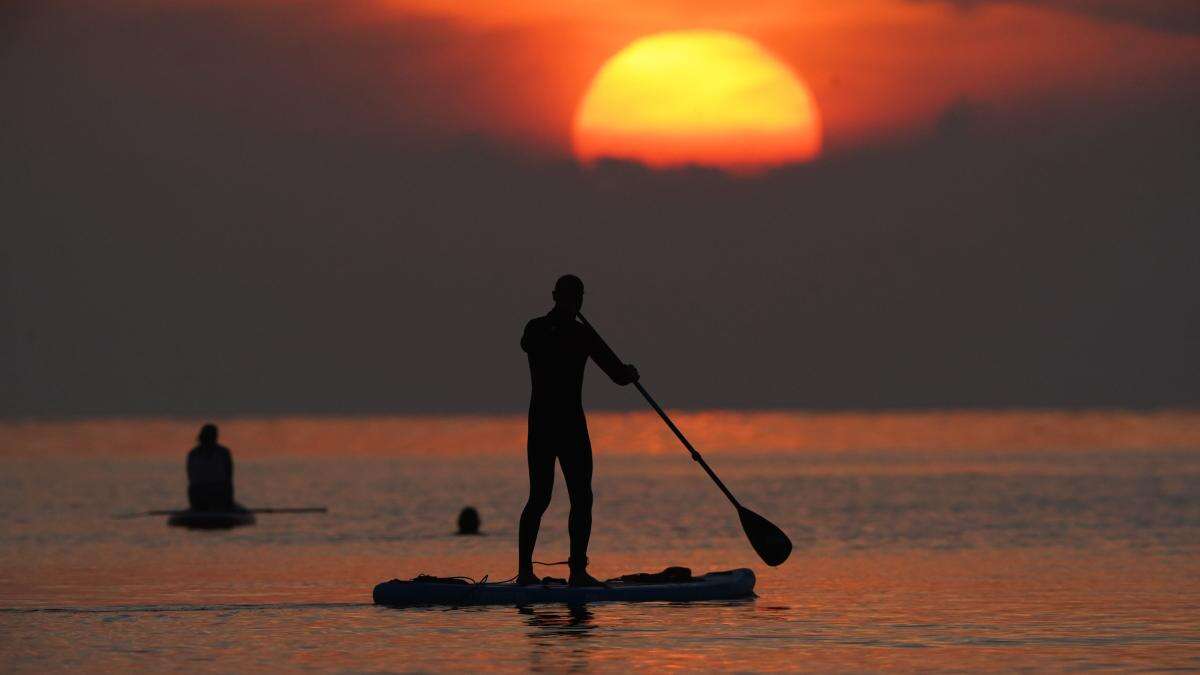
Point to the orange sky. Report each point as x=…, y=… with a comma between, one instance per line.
x=878, y=68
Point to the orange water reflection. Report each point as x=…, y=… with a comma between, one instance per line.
x=911, y=610
x=1070, y=543
x=1020, y=431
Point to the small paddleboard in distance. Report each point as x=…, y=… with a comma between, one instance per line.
x=210, y=520
x=729, y=585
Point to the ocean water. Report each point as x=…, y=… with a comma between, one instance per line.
x=924, y=541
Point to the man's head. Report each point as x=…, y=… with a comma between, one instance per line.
x=568, y=294
x=208, y=434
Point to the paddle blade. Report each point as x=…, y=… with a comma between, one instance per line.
x=769, y=542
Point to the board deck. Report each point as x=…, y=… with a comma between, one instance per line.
x=732, y=584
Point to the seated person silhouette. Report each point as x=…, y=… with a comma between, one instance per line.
x=210, y=474
x=558, y=346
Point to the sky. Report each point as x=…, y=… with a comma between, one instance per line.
x=220, y=207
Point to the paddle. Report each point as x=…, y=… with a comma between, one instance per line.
x=175, y=512
x=769, y=542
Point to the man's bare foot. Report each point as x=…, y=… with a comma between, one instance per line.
x=581, y=579
x=528, y=579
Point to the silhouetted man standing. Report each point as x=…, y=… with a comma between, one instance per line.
x=210, y=474
x=558, y=346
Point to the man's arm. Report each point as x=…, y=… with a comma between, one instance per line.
x=533, y=338
x=621, y=373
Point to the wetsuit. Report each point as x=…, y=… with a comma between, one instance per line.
x=558, y=347
x=210, y=478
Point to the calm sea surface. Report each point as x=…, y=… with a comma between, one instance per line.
x=924, y=541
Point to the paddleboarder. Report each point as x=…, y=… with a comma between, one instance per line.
x=210, y=474
x=558, y=347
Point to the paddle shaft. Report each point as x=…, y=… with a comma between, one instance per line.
x=665, y=418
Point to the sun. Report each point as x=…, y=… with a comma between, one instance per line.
x=701, y=97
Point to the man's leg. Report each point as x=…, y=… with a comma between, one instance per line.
x=577, y=470
x=541, y=487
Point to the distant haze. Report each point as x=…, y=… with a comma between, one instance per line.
x=195, y=224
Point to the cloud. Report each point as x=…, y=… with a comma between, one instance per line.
x=345, y=275
x=1168, y=16
x=959, y=118
x=320, y=66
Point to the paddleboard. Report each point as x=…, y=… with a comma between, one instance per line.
x=210, y=520
x=733, y=584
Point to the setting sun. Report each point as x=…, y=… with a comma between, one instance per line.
x=697, y=97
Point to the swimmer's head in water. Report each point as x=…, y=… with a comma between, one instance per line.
x=568, y=293
x=208, y=434
x=468, y=521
